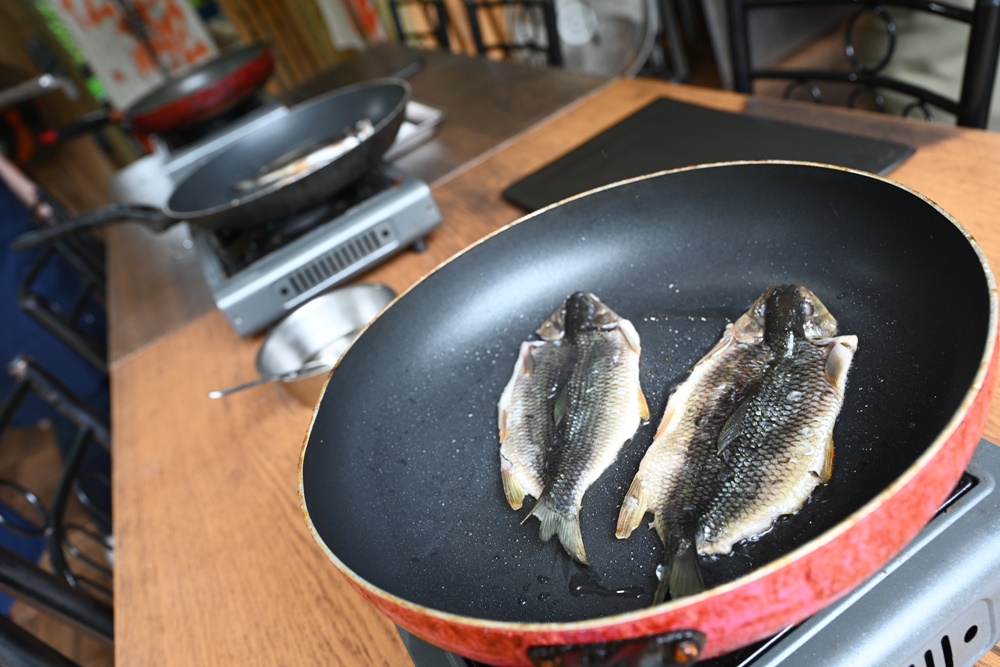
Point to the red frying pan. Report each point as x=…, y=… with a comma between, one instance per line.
x=203, y=92
x=400, y=479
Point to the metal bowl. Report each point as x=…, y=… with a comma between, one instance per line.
x=317, y=334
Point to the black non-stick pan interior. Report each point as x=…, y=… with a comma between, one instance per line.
x=401, y=473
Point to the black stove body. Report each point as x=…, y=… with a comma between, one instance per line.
x=259, y=276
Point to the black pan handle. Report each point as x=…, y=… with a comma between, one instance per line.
x=150, y=216
x=86, y=124
x=677, y=647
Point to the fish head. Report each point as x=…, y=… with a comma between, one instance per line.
x=793, y=310
x=585, y=312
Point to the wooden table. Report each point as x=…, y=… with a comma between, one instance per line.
x=213, y=561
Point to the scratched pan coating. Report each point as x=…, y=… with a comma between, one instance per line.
x=400, y=475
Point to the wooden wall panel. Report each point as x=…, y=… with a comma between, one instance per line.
x=303, y=47
x=295, y=30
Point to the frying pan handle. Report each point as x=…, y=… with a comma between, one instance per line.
x=150, y=216
x=677, y=647
x=88, y=123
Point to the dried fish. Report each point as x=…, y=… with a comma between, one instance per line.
x=572, y=403
x=746, y=438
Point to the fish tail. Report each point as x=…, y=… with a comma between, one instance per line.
x=681, y=574
x=566, y=527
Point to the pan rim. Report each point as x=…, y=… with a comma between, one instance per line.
x=256, y=195
x=638, y=616
x=250, y=53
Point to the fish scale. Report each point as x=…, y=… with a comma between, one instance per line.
x=570, y=406
x=733, y=452
x=526, y=418
x=782, y=453
x=681, y=480
x=581, y=455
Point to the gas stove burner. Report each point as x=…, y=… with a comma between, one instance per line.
x=257, y=276
x=934, y=605
x=238, y=249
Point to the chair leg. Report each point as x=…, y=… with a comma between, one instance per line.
x=981, y=66
x=552, y=33
x=61, y=324
x=472, y=11
x=23, y=580
x=27, y=371
x=739, y=45
x=20, y=648
x=681, y=71
x=442, y=25
x=57, y=532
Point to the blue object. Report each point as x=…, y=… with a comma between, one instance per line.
x=29, y=547
x=20, y=334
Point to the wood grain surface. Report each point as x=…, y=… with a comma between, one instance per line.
x=991, y=659
x=214, y=563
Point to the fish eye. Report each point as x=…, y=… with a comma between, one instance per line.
x=807, y=308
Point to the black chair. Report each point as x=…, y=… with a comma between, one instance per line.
x=79, y=323
x=68, y=322
x=434, y=38
x=971, y=109
x=77, y=591
x=69, y=543
x=544, y=15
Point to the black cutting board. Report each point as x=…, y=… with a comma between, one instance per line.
x=667, y=134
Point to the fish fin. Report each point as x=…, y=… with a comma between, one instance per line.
x=724, y=342
x=749, y=328
x=554, y=327
x=528, y=359
x=511, y=487
x=523, y=366
x=685, y=575
x=733, y=427
x=643, y=406
x=662, y=591
x=681, y=573
x=838, y=361
x=631, y=336
x=664, y=422
x=503, y=425
x=827, y=472
x=567, y=528
x=633, y=509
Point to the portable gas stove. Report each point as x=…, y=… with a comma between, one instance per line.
x=258, y=276
x=934, y=605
